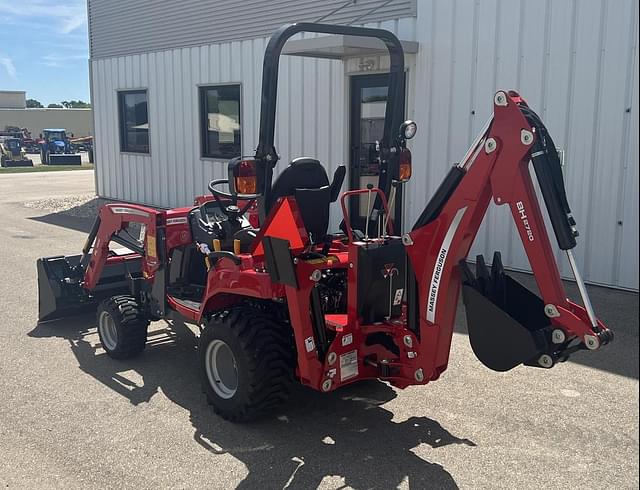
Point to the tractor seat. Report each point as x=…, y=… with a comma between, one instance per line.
x=306, y=180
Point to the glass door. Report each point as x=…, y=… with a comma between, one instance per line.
x=368, y=105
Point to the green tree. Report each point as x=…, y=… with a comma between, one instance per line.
x=54, y=106
x=75, y=104
x=33, y=103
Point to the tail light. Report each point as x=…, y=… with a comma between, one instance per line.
x=246, y=177
x=405, y=165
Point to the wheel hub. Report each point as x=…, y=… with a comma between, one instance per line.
x=221, y=369
x=108, y=331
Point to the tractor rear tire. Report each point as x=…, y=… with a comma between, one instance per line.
x=247, y=360
x=122, y=327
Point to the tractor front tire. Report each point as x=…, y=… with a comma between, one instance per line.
x=122, y=327
x=247, y=361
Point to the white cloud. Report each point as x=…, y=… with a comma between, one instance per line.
x=64, y=16
x=7, y=64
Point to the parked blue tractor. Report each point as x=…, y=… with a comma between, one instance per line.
x=55, y=148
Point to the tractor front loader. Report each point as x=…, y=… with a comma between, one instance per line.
x=12, y=154
x=280, y=299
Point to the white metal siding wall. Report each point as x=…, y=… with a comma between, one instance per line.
x=576, y=63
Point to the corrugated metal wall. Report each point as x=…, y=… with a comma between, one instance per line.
x=576, y=62
x=119, y=27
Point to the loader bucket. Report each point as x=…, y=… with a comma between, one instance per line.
x=59, y=290
x=17, y=163
x=64, y=159
x=60, y=293
x=506, y=322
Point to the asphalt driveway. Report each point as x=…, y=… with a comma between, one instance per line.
x=71, y=417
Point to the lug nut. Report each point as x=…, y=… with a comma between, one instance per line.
x=331, y=358
x=526, y=137
x=546, y=361
x=591, y=342
x=558, y=336
x=490, y=145
x=500, y=99
x=551, y=311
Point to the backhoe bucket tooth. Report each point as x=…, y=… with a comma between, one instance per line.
x=467, y=275
x=483, y=276
x=507, y=326
x=497, y=280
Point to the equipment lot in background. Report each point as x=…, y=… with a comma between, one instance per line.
x=38, y=167
x=72, y=417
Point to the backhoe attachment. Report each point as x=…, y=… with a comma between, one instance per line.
x=508, y=324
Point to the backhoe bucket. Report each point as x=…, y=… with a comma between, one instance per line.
x=64, y=159
x=506, y=322
x=60, y=293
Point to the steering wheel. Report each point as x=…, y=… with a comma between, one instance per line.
x=232, y=211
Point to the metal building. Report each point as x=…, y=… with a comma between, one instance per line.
x=175, y=91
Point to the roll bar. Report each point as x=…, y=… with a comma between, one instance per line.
x=265, y=151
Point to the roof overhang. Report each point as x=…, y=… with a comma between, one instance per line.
x=338, y=47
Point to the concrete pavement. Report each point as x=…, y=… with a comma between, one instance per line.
x=71, y=417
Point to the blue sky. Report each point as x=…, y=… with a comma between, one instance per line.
x=44, y=49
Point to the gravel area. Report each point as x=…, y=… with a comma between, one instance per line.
x=79, y=206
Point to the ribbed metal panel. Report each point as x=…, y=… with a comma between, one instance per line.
x=576, y=62
x=119, y=27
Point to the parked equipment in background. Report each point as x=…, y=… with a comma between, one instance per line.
x=84, y=143
x=279, y=298
x=55, y=148
x=12, y=154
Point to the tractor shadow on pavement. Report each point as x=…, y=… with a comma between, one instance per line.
x=347, y=436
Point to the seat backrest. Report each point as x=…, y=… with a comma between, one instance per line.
x=302, y=173
x=307, y=181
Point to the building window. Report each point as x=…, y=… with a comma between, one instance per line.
x=134, y=121
x=220, y=121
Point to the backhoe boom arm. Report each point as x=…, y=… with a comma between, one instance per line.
x=508, y=325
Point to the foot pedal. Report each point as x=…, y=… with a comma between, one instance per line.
x=506, y=322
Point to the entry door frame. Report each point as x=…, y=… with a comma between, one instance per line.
x=356, y=84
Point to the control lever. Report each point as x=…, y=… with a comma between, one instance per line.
x=366, y=226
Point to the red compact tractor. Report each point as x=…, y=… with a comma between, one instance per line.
x=279, y=298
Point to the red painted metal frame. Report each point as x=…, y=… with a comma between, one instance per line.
x=113, y=218
x=502, y=174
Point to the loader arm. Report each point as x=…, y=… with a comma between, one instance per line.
x=111, y=219
x=508, y=325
